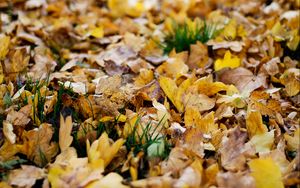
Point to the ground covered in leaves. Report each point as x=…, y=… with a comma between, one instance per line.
x=149, y=93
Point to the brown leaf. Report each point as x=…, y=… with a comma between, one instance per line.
x=235, y=180
x=234, y=158
x=37, y=145
x=243, y=79
x=198, y=56
x=26, y=176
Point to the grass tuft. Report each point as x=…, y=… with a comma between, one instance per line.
x=149, y=137
x=184, y=35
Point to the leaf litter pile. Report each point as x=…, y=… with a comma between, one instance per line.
x=149, y=93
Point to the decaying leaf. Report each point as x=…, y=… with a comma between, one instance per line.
x=26, y=176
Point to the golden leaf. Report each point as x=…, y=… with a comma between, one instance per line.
x=175, y=65
x=4, y=44
x=170, y=88
x=266, y=173
x=122, y=7
x=227, y=61
x=101, y=149
x=254, y=123
x=230, y=30
x=37, y=145
x=65, y=129
x=208, y=87
x=97, y=32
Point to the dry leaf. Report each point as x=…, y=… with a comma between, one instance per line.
x=26, y=176
x=243, y=79
x=254, y=123
x=65, y=129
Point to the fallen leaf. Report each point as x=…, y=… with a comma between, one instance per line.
x=227, y=61
x=198, y=57
x=65, y=129
x=4, y=44
x=254, y=124
x=266, y=173
x=37, y=145
x=234, y=158
x=111, y=180
x=293, y=141
x=235, y=180
x=243, y=79
x=8, y=132
x=97, y=32
x=26, y=176
x=290, y=79
x=175, y=65
x=101, y=149
x=263, y=142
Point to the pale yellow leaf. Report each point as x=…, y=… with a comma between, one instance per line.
x=65, y=129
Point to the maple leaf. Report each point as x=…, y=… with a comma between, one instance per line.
x=227, y=61
x=65, y=129
x=266, y=173
x=37, y=145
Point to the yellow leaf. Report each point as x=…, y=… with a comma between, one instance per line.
x=278, y=32
x=263, y=142
x=145, y=77
x=254, y=123
x=97, y=32
x=101, y=149
x=122, y=7
x=266, y=173
x=207, y=123
x=191, y=116
x=4, y=44
x=170, y=88
x=111, y=180
x=175, y=65
x=65, y=129
x=180, y=94
x=230, y=30
x=210, y=88
x=227, y=61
